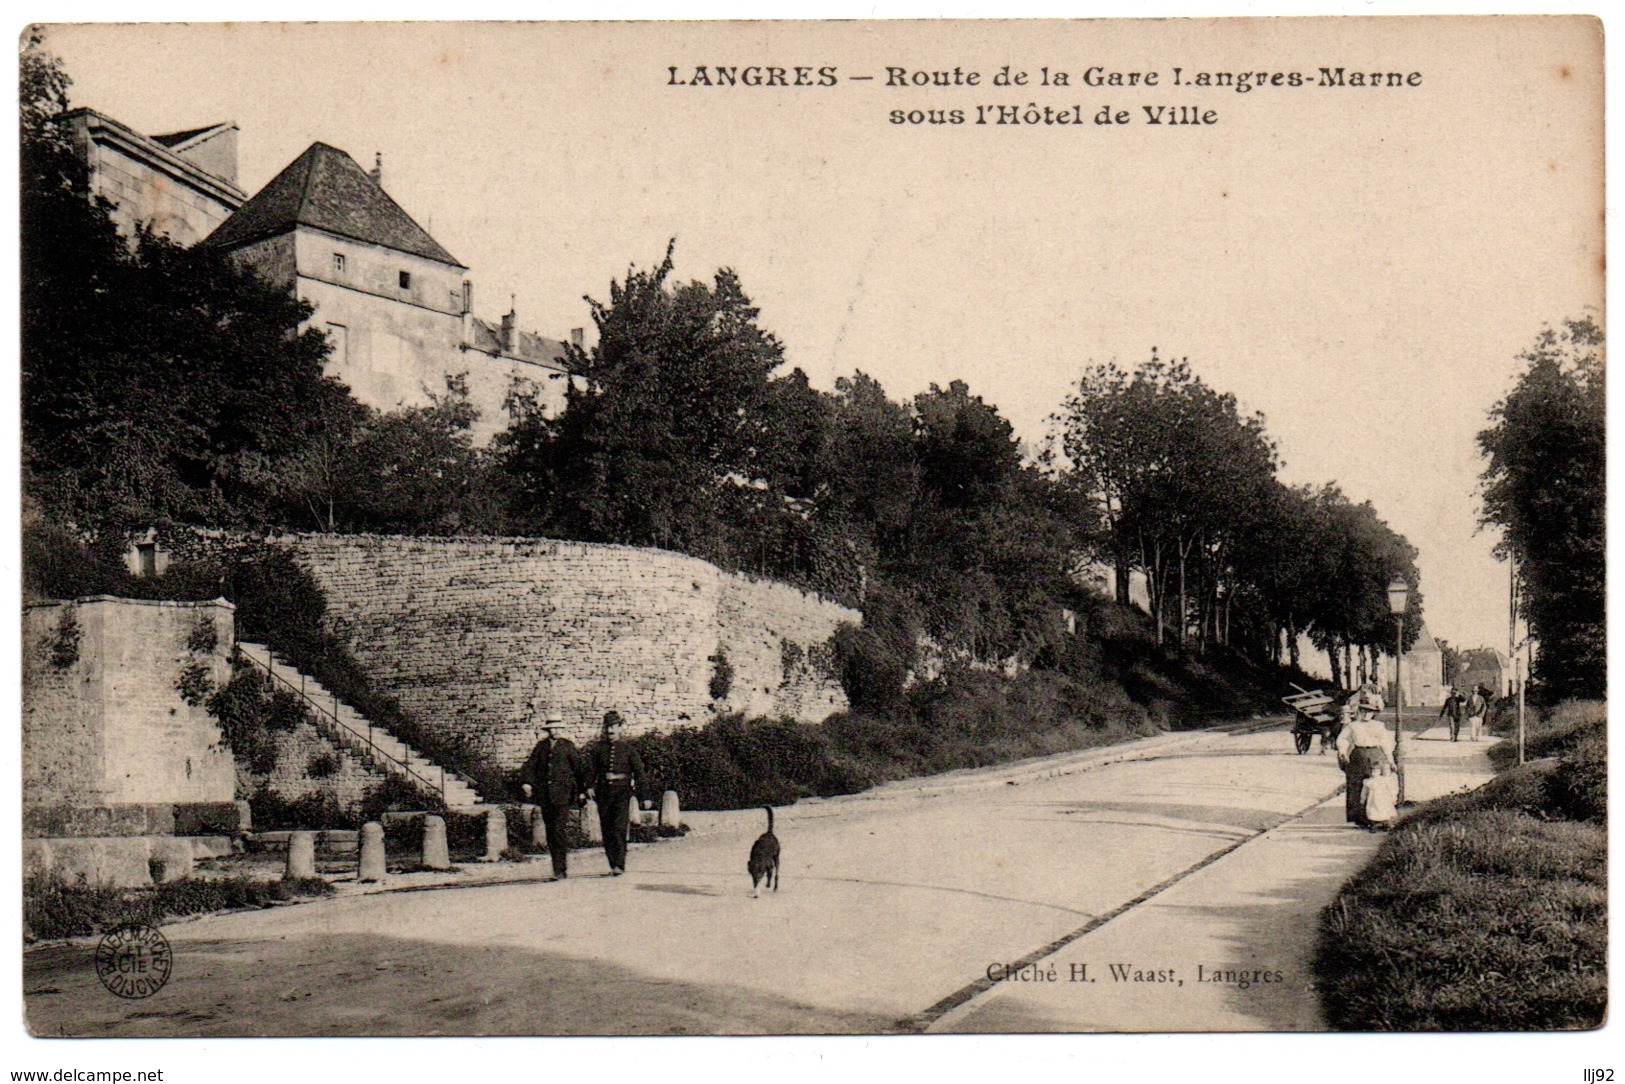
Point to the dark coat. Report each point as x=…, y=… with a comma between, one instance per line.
x=555, y=773
x=619, y=758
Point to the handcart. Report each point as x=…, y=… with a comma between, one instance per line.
x=1314, y=715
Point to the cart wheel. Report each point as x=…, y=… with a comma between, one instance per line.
x=1301, y=740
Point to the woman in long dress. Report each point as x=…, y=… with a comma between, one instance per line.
x=1362, y=748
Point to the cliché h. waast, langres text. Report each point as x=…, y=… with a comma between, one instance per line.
x=1132, y=974
x=1163, y=114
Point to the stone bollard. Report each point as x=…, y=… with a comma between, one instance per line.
x=538, y=827
x=671, y=813
x=590, y=826
x=372, y=852
x=436, y=855
x=634, y=815
x=496, y=834
x=301, y=855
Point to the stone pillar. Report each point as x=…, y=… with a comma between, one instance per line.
x=372, y=852
x=538, y=826
x=671, y=814
x=496, y=834
x=436, y=855
x=589, y=823
x=634, y=815
x=301, y=855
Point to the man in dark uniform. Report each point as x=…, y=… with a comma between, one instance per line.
x=554, y=779
x=1455, y=709
x=617, y=775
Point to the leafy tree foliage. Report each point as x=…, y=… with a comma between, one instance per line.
x=668, y=415
x=1173, y=464
x=1186, y=488
x=1543, y=486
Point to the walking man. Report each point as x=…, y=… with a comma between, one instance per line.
x=1477, y=705
x=1454, y=710
x=617, y=775
x=554, y=779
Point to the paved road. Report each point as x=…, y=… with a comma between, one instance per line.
x=893, y=907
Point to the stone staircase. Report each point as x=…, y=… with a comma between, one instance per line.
x=342, y=724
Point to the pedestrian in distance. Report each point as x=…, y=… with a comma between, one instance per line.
x=554, y=778
x=1454, y=710
x=618, y=775
x=1362, y=750
x=1477, y=704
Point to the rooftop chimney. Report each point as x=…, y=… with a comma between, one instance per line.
x=510, y=328
x=578, y=337
x=378, y=168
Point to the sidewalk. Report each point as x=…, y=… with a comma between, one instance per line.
x=1227, y=948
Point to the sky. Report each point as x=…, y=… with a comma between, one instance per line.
x=1362, y=266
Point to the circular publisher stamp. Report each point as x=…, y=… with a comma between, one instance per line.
x=133, y=961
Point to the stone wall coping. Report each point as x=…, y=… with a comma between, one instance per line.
x=485, y=542
x=188, y=604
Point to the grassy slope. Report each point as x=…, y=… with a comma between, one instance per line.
x=1486, y=911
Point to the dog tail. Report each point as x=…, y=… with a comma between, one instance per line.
x=769, y=817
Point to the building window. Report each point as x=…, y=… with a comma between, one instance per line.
x=147, y=556
x=406, y=280
x=338, y=263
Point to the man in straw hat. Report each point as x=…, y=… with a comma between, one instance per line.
x=554, y=779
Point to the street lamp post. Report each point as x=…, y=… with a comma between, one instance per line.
x=1398, y=594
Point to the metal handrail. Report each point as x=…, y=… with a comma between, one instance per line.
x=345, y=735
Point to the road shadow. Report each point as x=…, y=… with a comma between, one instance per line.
x=361, y=985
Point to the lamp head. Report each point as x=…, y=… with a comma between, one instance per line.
x=1399, y=592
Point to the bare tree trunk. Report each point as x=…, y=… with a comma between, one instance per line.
x=1184, y=614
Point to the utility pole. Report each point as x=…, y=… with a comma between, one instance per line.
x=1519, y=674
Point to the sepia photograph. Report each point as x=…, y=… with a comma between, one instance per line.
x=878, y=528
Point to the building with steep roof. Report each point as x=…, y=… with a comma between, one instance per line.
x=396, y=305
x=1486, y=666
x=182, y=185
x=1422, y=676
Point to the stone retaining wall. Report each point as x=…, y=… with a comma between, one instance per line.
x=350, y=781
x=104, y=719
x=480, y=636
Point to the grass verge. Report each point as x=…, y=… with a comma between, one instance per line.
x=1485, y=911
x=54, y=909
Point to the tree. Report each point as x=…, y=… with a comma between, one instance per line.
x=1172, y=465
x=416, y=471
x=668, y=415
x=1544, y=486
x=157, y=383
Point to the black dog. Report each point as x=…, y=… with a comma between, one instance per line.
x=764, y=858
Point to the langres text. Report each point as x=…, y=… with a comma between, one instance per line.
x=751, y=75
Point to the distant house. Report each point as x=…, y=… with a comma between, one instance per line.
x=1486, y=666
x=182, y=184
x=1422, y=676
